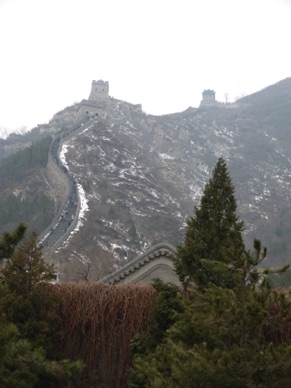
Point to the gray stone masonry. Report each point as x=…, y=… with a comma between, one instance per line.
x=99, y=91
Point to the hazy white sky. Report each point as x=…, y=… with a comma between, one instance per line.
x=160, y=53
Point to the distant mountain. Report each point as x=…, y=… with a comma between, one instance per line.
x=119, y=181
x=5, y=132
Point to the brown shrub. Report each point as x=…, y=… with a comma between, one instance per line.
x=99, y=322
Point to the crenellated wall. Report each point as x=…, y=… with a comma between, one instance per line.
x=59, y=185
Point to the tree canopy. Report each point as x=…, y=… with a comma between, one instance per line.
x=30, y=329
x=10, y=240
x=221, y=338
x=26, y=268
x=213, y=245
x=226, y=327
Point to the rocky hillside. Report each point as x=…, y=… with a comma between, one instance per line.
x=136, y=177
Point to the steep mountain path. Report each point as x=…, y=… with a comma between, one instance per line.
x=66, y=193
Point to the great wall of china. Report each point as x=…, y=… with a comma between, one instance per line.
x=59, y=179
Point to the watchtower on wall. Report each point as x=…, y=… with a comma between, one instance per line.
x=99, y=91
x=208, y=99
x=97, y=102
x=208, y=95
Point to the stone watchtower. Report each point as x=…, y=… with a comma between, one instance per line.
x=97, y=102
x=208, y=95
x=99, y=91
x=208, y=98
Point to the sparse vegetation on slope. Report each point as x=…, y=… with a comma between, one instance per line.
x=23, y=195
x=19, y=166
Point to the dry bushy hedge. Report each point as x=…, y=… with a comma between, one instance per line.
x=98, y=322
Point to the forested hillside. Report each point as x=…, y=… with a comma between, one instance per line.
x=23, y=196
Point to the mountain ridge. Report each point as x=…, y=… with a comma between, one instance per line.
x=141, y=175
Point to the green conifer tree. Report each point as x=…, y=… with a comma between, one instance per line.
x=10, y=240
x=27, y=366
x=222, y=338
x=26, y=268
x=213, y=240
x=30, y=328
x=230, y=331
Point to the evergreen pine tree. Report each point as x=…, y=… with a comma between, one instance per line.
x=27, y=366
x=231, y=331
x=30, y=328
x=222, y=338
x=10, y=240
x=213, y=240
x=26, y=268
